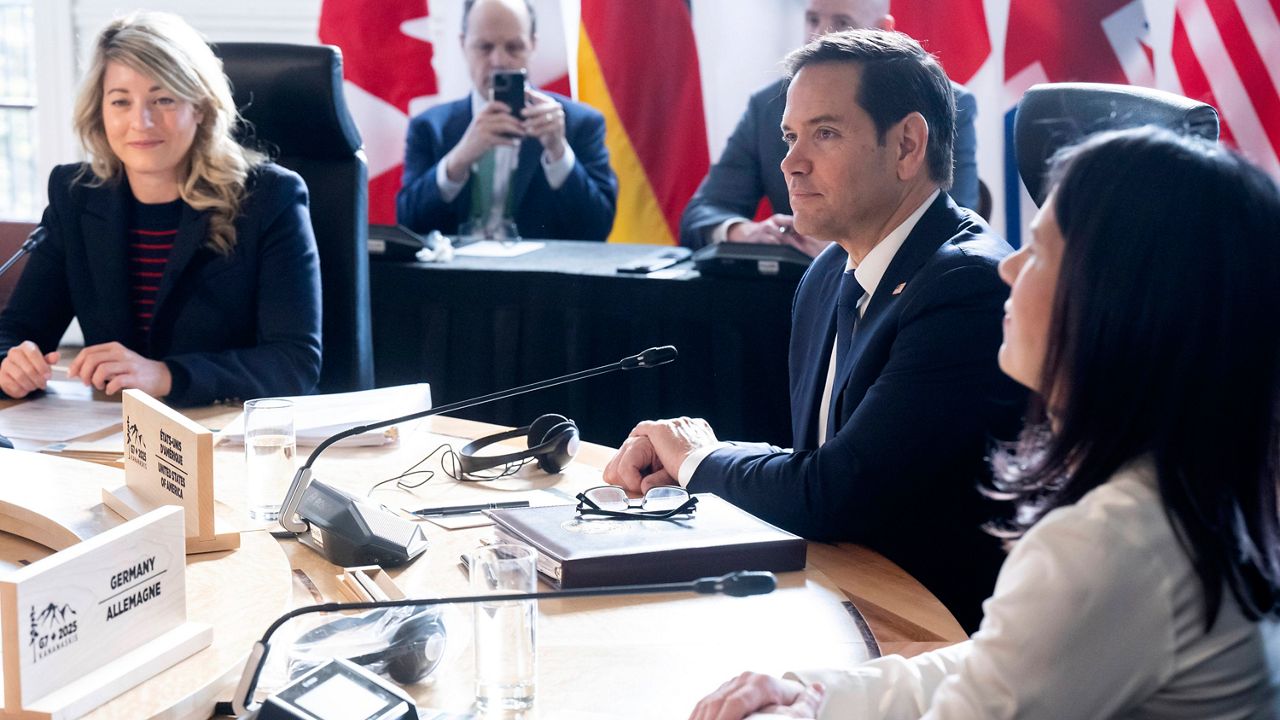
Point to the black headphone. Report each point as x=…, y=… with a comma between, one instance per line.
x=553, y=441
x=415, y=648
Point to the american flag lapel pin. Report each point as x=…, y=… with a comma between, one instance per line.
x=898, y=290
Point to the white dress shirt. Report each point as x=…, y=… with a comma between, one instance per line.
x=868, y=274
x=1097, y=613
x=505, y=159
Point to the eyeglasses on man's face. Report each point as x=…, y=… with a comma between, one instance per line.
x=659, y=503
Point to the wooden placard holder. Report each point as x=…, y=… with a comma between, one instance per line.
x=168, y=461
x=87, y=623
x=368, y=583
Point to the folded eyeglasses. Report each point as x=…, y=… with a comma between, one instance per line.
x=659, y=503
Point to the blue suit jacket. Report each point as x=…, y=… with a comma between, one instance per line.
x=580, y=209
x=239, y=326
x=917, y=411
x=749, y=167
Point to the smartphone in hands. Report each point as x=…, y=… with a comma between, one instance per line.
x=508, y=88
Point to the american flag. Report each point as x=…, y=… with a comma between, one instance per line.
x=1227, y=53
x=1222, y=52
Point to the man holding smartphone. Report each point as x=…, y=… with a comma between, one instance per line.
x=481, y=159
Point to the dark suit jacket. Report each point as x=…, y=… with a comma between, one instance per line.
x=580, y=209
x=749, y=167
x=918, y=409
x=240, y=326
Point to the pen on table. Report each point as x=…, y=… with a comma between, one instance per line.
x=468, y=509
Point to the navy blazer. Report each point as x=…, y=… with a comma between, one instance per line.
x=748, y=169
x=580, y=209
x=239, y=326
x=918, y=409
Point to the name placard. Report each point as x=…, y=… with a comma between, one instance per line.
x=168, y=460
x=87, y=623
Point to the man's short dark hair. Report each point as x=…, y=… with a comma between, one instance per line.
x=528, y=4
x=898, y=78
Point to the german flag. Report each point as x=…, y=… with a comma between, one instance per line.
x=638, y=64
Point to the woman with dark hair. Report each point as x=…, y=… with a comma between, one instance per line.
x=188, y=259
x=1145, y=576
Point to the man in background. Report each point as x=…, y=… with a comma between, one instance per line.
x=472, y=159
x=724, y=204
x=895, y=390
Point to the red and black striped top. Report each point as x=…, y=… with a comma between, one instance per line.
x=152, y=229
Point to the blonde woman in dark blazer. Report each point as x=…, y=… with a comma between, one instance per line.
x=188, y=259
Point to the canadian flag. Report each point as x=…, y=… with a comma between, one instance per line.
x=387, y=64
x=954, y=31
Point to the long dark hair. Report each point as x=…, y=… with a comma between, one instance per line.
x=1165, y=344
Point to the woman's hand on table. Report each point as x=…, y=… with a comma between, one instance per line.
x=751, y=693
x=25, y=369
x=112, y=367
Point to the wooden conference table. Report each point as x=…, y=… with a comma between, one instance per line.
x=640, y=657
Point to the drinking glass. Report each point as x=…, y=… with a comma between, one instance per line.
x=269, y=447
x=506, y=630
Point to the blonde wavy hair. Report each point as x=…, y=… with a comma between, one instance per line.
x=164, y=47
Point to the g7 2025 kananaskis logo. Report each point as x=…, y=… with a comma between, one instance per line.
x=135, y=446
x=52, y=628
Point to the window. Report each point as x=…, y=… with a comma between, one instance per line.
x=18, y=182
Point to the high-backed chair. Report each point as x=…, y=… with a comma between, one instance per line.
x=1054, y=115
x=292, y=98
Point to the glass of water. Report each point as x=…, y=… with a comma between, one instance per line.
x=269, y=447
x=506, y=630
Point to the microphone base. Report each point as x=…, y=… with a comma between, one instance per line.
x=350, y=532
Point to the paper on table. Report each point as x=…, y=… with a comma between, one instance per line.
x=67, y=410
x=316, y=417
x=493, y=248
x=107, y=450
x=536, y=498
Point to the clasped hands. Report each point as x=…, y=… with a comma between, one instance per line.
x=652, y=454
x=109, y=367
x=494, y=125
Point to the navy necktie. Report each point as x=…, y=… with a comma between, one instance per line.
x=846, y=320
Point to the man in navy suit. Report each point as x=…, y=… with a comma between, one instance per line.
x=549, y=168
x=747, y=170
x=895, y=391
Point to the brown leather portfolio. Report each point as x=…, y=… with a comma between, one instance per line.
x=718, y=538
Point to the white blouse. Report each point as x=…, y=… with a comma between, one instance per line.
x=1097, y=613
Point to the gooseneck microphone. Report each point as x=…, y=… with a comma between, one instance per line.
x=738, y=584
x=36, y=237
x=349, y=531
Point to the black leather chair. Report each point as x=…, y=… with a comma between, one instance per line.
x=1054, y=115
x=292, y=98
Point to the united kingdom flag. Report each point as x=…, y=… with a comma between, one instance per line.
x=1103, y=41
